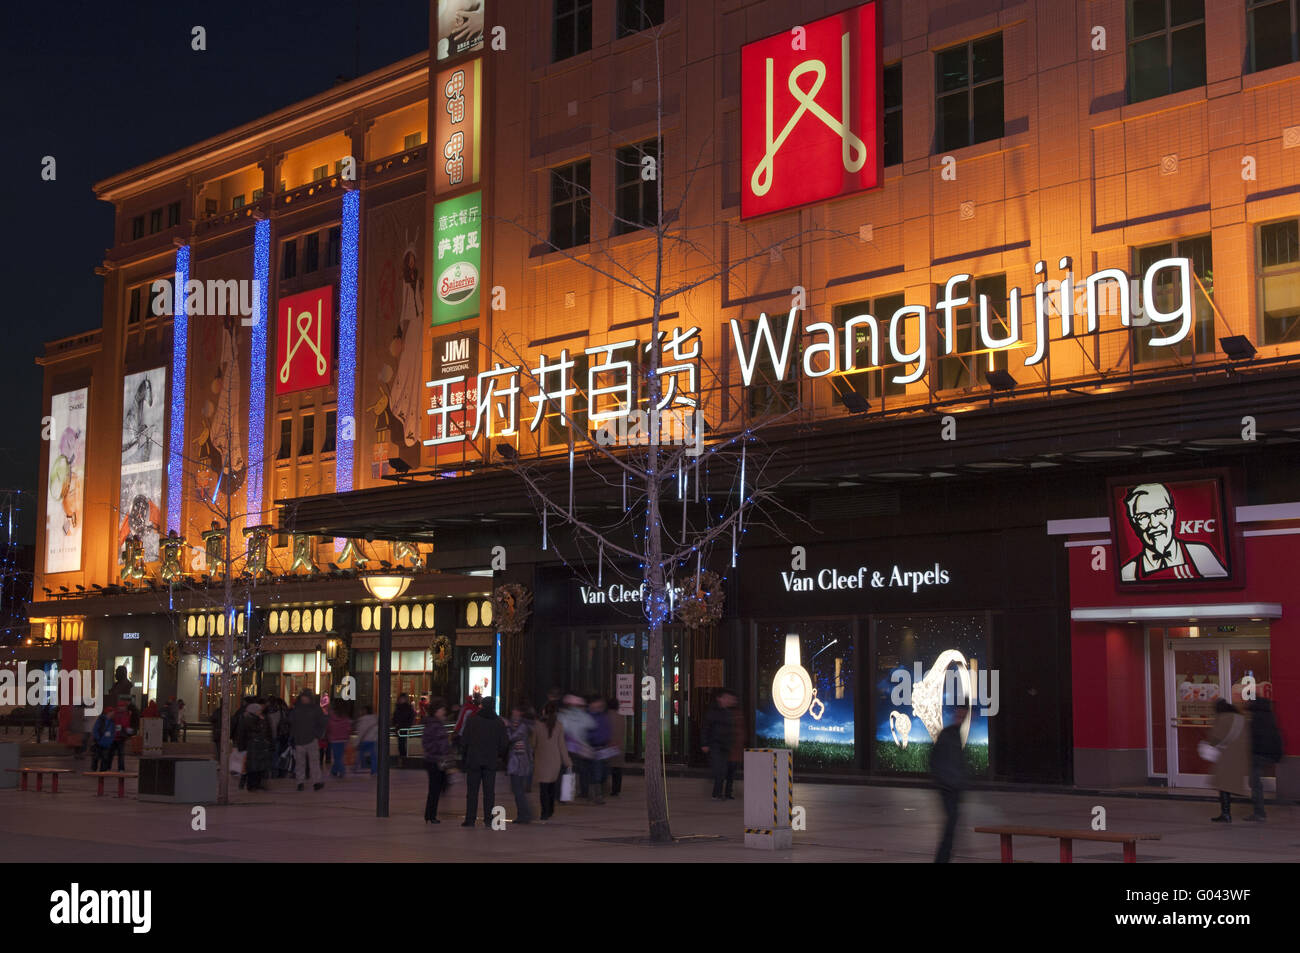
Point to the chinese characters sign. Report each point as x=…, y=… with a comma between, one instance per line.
x=304, y=331
x=811, y=122
x=451, y=401
x=456, y=142
x=65, y=506
x=456, y=258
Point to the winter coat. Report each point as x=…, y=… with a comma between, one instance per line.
x=717, y=731
x=437, y=746
x=618, y=734
x=577, y=724
x=549, y=753
x=485, y=739
x=367, y=728
x=255, y=738
x=946, y=761
x=340, y=727
x=1231, y=735
x=306, y=723
x=1265, y=739
x=403, y=715
x=520, y=761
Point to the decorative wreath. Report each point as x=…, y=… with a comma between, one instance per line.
x=172, y=652
x=511, y=605
x=703, y=606
x=440, y=652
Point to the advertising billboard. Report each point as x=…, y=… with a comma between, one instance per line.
x=1172, y=533
x=806, y=690
x=460, y=27
x=456, y=128
x=65, y=502
x=811, y=113
x=452, y=406
x=456, y=258
x=140, y=497
x=305, y=340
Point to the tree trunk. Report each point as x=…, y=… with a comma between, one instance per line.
x=656, y=793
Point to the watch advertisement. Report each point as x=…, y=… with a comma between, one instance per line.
x=806, y=690
x=931, y=672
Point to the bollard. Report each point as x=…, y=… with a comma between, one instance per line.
x=769, y=798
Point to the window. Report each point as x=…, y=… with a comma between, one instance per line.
x=311, y=257
x=893, y=114
x=571, y=205
x=636, y=198
x=135, y=312
x=768, y=395
x=413, y=141
x=137, y=227
x=1279, y=282
x=320, y=172
x=332, y=246
x=969, y=364
x=969, y=107
x=554, y=432
x=1166, y=47
x=237, y=201
x=637, y=15
x=210, y=207
x=289, y=268
x=868, y=382
x=1273, y=35
x=173, y=214
x=286, y=439
x=331, y=426
x=257, y=194
x=572, y=28
x=155, y=221
x=308, y=435
x=1201, y=339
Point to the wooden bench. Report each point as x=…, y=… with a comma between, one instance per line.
x=1067, y=837
x=52, y=772
x=121, y=780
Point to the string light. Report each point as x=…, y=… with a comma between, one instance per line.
x=257, y=367
x=344, y=416
x=180, y=351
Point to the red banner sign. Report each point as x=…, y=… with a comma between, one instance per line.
x=305, y=336
x=810, y=113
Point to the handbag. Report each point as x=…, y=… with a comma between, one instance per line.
x=1209, y=752
x=566, y=787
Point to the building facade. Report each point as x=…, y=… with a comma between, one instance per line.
x=991, y=280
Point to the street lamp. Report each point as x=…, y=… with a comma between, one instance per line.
x=385, y=586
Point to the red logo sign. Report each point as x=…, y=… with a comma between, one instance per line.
x=1172, y=531
x=305, y=332
x=810, y=113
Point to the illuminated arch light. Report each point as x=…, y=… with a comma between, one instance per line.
x=318, y=620
x=404, y=617
x=485, y=612
x=329, y=620
x=417, y=616
x=365, y=618
x=471, y=614
x=273, y=623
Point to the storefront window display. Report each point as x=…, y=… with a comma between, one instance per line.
x=931, y=672
x=806, y=689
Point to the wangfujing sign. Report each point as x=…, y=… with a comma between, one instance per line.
x=609, y=386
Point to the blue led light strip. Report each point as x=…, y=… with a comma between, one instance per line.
x=180, y=352
x=257, y=369
x=343, y=419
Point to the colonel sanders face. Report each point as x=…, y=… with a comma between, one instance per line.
x=1151, y=513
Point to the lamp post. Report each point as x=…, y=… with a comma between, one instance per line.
x=385, y=586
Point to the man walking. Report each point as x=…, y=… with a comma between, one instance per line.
x=486, y=744
x=948, y=767
x=307, y=724
x=716, y=740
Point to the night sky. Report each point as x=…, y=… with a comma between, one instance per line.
x=105, y=86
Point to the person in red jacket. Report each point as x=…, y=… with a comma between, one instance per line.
x=470, y=708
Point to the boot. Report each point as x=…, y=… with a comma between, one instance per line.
x=1225, y=808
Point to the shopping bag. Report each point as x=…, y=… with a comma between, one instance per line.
x=237, y=759
x=1207, y=751
x=566, y=787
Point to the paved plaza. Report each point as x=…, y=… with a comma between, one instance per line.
x=846, y=822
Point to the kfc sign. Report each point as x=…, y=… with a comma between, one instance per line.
x=1172, y=532
x=810, y=114
x=305, y=336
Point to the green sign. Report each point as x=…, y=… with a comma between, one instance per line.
x=456, y=258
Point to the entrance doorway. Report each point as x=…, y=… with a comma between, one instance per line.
x=1196, y=666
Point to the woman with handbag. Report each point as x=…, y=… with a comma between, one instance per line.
x=550, y=757
x=438, y=759
x=1228, y=748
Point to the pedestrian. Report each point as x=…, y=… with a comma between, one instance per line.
x=1265, y=749
x=618, y=729
x=467, y=711
x=236, y=723
x=121, y=685
x=438, y=759
x=216, y=720
x=1228, y=748
x=122, y=731
x=255, y=741
x=550, y=757
x=485, y=745
x=947, y=766
x=180, y=719
x=338, y=732
x=519, y=764
x=602, y=733
x=307, y=726
x=403, y=719
x=368, y=741
x=103, y=734
x=717, y=737
x=577, y=725
x=169, y=719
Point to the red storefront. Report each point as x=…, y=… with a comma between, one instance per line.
x=1149, y=661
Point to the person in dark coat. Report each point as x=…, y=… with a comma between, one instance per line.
x=216, y=719
x=254, y=739
x=403, y=719
x=948, y=767
x=438, y=758
x=717, y=738
x=485, y=744
x=1265, y=749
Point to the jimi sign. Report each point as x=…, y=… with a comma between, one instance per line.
x=305, y=335
x=810, y=114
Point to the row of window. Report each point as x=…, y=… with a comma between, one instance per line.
x=309, y=255
x=307, y=435
x=571, y=28
x=156, y=221
x=637, y=171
